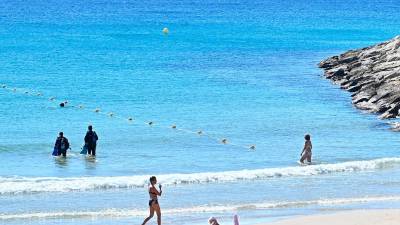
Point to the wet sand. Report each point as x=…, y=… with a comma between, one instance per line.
x=357, y=217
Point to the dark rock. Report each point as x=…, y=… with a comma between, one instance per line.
x=371, y=74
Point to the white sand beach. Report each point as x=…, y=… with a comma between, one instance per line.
x=357, y=217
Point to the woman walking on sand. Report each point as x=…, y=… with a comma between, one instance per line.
x=153, y=202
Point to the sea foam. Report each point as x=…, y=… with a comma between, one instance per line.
x=118, y=213
x=28, y=185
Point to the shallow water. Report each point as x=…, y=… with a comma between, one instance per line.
x=244, y=71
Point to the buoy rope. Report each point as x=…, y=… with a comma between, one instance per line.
x=129, y=119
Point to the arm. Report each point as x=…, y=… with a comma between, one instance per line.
x=67, y=142
x=304, y=148
x=154, y=190
x=86, y=138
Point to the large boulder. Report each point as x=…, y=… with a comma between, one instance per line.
x=371, y=74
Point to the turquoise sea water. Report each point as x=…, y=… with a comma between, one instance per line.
x=241, y=70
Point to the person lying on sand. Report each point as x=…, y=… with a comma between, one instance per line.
x=213, y=221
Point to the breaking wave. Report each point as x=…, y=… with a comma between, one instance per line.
x=28, y=185
x=118, y=213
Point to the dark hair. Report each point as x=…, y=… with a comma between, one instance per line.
x=61, y=133
x=153, y=178
x=90, y=127
x=307, y=137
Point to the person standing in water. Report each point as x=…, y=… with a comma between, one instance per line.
x=306, y=153
x=153, y=202
x=91, y=140
x=61, y=145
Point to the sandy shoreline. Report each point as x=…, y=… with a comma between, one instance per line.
x=356, y=217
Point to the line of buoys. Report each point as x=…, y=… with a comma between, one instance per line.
x=130, y=119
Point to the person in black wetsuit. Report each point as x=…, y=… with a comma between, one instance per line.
x=62, y=145
x=153, y=202
x=91, y=141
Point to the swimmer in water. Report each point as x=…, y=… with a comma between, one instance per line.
x=153, y=202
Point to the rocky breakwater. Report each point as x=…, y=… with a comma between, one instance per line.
x=371, y=74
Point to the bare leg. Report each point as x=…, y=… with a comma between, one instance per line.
x=309, y=157
x=158, y=212
x=303, y=157
x=150, y=216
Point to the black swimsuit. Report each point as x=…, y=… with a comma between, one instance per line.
x=151, y=201
x=155, y=201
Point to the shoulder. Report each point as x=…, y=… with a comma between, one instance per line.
x=151, y=187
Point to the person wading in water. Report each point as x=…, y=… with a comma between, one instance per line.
x=91, y=141
x=61, y=145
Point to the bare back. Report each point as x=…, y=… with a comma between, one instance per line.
x=308, y=146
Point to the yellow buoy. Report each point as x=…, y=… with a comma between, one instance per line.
x=165, y=30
